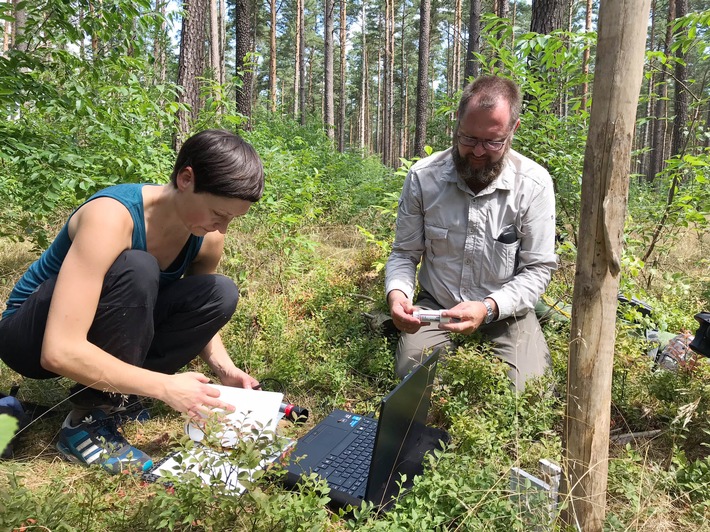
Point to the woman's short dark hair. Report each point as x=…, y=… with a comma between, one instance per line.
x=223, y=163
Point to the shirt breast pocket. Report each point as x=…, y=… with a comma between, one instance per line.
x=435, y=240
x=503, y=260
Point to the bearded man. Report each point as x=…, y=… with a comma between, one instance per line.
x=479, y=219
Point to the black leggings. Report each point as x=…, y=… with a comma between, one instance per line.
x=160, y=328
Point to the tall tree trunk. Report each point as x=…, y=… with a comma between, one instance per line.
x=18, y=26
x=456, y=56
x=215, y=56
x=605, y=182
x=364, y=84
x=388, y=108
x=343, y=49
x=645, y=137
x=302, y=88
x=328, y=100
x=658, y=144
x=159, y=44
x=94, y=37
x=547, y=16
x=403, y=84
x=681, y=91
x=6, y=36
x=222, y=40
x=585, y=57
x=191, y=64
x=423, y=77
x=243, y=48
x=297, y=61
x=272, y=56
x=474, y=42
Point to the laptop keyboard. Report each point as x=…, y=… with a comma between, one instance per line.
x=348, y=470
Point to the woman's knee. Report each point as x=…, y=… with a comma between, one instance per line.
x=135, y=274
x=226, y=294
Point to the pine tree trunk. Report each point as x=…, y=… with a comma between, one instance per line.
x=272, y=56
x=422, y=78
x=191, y=64
x=328, y=106
x=659, y=137
x=547, y=16
x=681, y=92
x=215, y=59
x=298, y=57
x=343, y=49
x=243, y=47
x=474, y=42
x=302, y=64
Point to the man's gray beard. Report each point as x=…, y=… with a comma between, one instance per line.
x=478, y=178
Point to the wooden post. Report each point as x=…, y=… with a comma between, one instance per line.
x=605, y=183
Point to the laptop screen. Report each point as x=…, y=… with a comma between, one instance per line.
x=402, y=422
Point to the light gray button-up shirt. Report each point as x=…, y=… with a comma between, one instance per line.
x=499, y=243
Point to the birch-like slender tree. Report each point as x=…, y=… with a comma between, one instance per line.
x=605, y=184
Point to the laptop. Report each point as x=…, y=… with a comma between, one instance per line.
x=362, y=458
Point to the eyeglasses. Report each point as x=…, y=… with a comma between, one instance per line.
x=491, y=145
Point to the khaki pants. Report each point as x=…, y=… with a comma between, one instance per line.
x=517, y=340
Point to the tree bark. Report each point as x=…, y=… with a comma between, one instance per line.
x=618, y=69
x=422, y=77
x=474, y=42
x=191, y=65
x=658, y=142
x=343, y=48
x=456, y=55
x=243, y=47
x=585, y=58
x=547, y=16
x=272, y=56
x=328, y=106
x=364, y=87
x=681, y=90
x=298, y=58
x=215, y=56
x=159, y=44
x=302, y=63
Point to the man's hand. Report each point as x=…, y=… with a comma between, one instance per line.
x=401, y=310
x=471, y=315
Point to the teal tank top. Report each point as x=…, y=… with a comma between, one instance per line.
x=47, y=266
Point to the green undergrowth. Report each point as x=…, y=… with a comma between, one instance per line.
x=307, y=260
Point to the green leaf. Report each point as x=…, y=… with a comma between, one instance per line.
x=8, y=427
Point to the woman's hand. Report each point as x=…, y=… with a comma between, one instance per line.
x=189, y=393
x=240, y=379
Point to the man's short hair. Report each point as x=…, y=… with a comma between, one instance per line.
x=487, y=91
